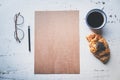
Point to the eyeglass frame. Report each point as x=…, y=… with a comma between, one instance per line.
x=16, y=27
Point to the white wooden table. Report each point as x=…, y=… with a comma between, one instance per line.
x=16, y=63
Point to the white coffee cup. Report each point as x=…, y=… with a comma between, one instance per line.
x=96, y=19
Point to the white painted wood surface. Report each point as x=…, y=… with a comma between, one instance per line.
x=16, y=63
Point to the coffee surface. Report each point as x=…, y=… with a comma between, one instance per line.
x=95, y=19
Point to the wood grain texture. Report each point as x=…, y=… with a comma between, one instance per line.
x=57, y=42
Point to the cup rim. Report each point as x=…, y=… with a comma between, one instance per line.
x=104, y=16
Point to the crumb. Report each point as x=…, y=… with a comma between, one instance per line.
x=103, y=2
x=110, y=16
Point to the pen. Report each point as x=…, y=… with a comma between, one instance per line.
x=29, y=44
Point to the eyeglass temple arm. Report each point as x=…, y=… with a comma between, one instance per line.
x=16, y=16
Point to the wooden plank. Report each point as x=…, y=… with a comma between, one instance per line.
x=57, y=42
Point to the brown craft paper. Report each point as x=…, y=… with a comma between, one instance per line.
x=57, y=42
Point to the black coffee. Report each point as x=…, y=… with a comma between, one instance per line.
x=95, y=19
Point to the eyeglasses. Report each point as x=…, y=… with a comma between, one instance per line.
x=19, y=33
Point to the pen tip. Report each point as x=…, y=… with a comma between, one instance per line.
x=29, y=27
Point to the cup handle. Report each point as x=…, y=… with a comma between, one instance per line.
x=102, y=9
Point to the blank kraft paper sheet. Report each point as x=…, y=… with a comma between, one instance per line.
x=57, y=42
